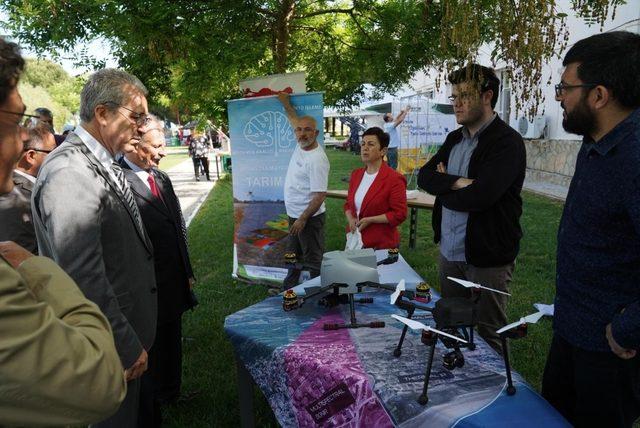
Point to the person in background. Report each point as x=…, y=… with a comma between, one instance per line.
x=16, y=222
x=377, y=198
x=390, y=127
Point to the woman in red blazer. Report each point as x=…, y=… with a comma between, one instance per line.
x=377, y=199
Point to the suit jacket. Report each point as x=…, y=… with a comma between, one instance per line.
x=387, y=195
x=58, y=363
x=164, y=222
x=16, y=223
x=84, y=223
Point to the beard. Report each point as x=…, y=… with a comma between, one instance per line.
x=580, y=120
x=474, y=115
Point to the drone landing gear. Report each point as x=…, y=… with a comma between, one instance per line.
x=354, y=323
x=430, y=340
x=398, y=351
x=511, y=390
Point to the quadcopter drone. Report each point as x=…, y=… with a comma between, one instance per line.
x=343, y=274
x=455, y=319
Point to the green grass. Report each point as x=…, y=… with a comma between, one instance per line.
x=209, y=362
x=173, y=158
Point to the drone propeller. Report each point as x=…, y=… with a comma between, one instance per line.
x=415, y=325
x=469, y=284
x=399, y=289
x=529, y=319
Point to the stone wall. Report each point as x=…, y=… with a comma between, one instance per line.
x=551, y=162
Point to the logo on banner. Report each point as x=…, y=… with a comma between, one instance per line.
x=331, y=403
x=270, y=129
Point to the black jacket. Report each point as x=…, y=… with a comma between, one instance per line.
x=493, y=201
x=164, y=224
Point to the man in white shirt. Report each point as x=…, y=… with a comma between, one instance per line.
x=305, y=189
x=390, y=125
x=16, y=223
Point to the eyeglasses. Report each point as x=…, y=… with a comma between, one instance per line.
x=19, y=114
x=306, y=129
x=561, y=87
x=139, y=118
x=39, y=150
x=462, y=96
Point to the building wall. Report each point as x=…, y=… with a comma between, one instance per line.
x=552, y=161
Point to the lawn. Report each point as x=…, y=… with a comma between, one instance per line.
x=174, y=156
x=209, y=362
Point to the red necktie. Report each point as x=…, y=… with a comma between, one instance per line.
x=154, y=187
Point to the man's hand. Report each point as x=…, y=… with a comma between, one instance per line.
x=441, y=168
x=297, y=226
x=192, y=282
x=284, y=98
x=363, y=223
x=461, y=183
x=139, y=367
x=625, y=354
x=14, y=253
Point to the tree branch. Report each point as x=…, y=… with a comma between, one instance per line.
x=324, y=12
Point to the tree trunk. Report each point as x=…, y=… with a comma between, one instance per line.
x=281, y=41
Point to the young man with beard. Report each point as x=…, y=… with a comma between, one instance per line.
x=477, y=177
x=305, y=189
x=592, y=371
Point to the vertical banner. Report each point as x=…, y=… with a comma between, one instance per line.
x=262, y=142
x=422, y=133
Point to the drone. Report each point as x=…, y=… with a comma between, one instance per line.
x=455, y=319
x=343, y=274
x=515, y=330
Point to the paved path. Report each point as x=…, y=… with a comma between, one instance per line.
x=553, y=191
x=190, y=192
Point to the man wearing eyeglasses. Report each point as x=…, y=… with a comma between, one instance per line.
x=86, y=219
x=477, y=177
x=16, y=223
x=305, y=189
x=592, y=374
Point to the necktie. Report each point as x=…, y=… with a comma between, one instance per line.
x=154, y=187
x=126, y=191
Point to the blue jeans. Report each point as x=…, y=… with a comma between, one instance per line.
x=392, y=157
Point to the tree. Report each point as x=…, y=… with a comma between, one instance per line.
x=194, y=52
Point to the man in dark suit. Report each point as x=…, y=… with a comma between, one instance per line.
x=16, y=223
x=163, y=220
x=86, y=220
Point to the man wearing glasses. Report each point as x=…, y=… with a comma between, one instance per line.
x=477, y=177
x=16, y=223
x=305, y=189
x=592, y=375
x=86, y=219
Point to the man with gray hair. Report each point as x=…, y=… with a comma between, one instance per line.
x=305, y=189
x=86, y=219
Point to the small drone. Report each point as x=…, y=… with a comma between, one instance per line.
x=344, y=274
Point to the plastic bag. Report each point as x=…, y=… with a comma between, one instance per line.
x=354, y=240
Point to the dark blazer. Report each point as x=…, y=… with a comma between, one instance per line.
x=165, y=225
x=16, y=222
x=387, y=195
x=84, y=223
x=493, y=201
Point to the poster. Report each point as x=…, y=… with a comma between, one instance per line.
x=262, y=142
x=422, y=133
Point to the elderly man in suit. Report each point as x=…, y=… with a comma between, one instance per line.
x=58, y=362
x=86, y=220
x=163, y=220
x=15, y=208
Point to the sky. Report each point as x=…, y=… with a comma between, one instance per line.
x=98, y=48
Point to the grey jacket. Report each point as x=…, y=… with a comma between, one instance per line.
x=16, y=223
x=83, y=222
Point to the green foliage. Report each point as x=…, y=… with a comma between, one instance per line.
x=47, y=84
x=195, y=52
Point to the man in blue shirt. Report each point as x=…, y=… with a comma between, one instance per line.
x=390, y=125
x=592, y=371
